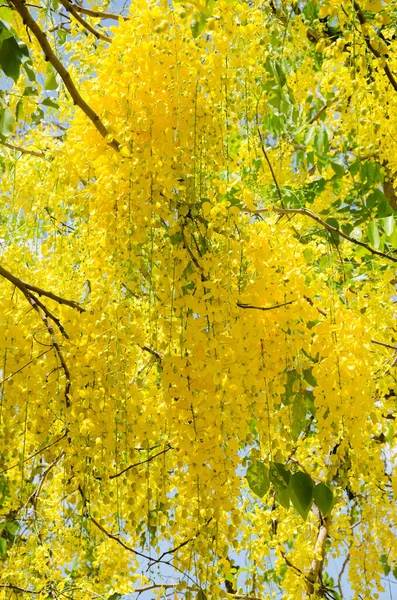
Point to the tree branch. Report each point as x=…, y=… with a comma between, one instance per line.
x=33, y=498
x=241, y=305
x=156, y=354
x=142, y=462
x=345, y=563
x=16, y=588
x=71, y=8
x=386, y=68
x=181, y=545
x=98, y=14
x=308, y=213
x=384, y=345
x=24, y=286
x=271, y=168
x=35, y=453
x=316, y=566
x=23, y=151
x=46, y=316
x=50, y=55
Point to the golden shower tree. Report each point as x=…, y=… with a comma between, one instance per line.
x=197, y=341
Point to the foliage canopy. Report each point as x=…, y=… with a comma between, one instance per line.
x=197, y=339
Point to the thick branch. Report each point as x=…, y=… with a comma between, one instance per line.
x=316, y=566
x=50, y=55
x=23, y=286
x=71, y=8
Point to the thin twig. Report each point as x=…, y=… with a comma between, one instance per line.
x=241, y=305
x=23, y=151
x=271, y=168
x=345, y=563
x=46, y=316
x=116, y=538
x=320, y=310
x=22, y=368
x=375, y=52
x=35, y=453
x=181, y=545
x=50, y=55
x=318, y=114
x=132, y=550
x=33, y=498
x=142, y=462
x=383, y=344
x=98, y=14
x=11, y=586
x=308, y=213
x=156, y=354
x=290, y=564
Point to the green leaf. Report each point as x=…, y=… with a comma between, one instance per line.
x=334, y=223
x=309, y=134
x=388, y=225
x=115, y=596
x=373, y=234
x=12, y=56
x=338, y=169
x=6, y=14
x=385, y=565
x=19, y=110
x=30, y=91
x=298, y=416
x=282, y=497
x=201, y=595
x=29, y=70
x=258, y=478
x=309, y=377
x=280, y=478
x=12, y=527
x=3, y=547
x=37, y=116
x=301, y=493
x=50, y=102
x=324, y=498
x=5, y=31
x=61, y=34
x=6, y=123
x=50, y=81
x=197, y=25
x=321, y=143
